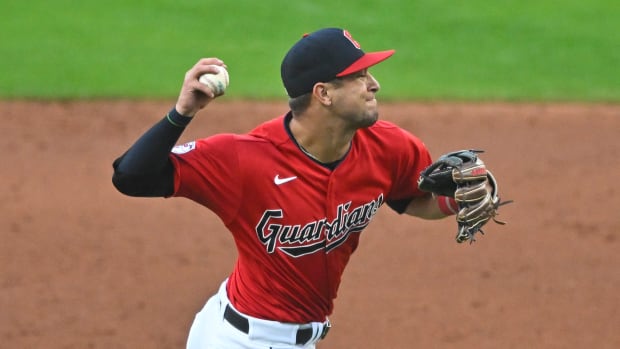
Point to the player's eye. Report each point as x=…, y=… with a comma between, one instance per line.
x=362, y=75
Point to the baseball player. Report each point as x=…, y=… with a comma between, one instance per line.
x=295, y=192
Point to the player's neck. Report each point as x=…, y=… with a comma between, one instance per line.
x=320, y=140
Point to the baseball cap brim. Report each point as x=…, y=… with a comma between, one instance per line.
x=367, y=60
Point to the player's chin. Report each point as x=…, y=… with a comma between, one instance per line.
x=370, y=118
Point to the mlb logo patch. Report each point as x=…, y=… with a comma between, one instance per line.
x=184, y=148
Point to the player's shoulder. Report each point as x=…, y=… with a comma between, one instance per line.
x=383, y=126
x=387, y=131
x=226, y=144
x=386, y=137
x=265, y=132
x=271, y=131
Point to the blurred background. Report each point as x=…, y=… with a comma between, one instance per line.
x=514, y=50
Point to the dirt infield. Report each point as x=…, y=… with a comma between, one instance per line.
x=84, y=267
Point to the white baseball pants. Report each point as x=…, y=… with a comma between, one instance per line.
x=210, y=330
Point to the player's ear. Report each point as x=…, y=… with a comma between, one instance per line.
x=321, y=93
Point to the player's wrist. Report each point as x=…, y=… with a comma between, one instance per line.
x=177, y=119
x=447, y=205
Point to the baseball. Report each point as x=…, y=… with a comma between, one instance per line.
x=216, y=82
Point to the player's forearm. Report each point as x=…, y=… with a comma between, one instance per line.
x=431, y=207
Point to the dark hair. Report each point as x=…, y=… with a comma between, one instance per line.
x=299, y=104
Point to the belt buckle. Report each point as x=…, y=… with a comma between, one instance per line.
x=326, y=328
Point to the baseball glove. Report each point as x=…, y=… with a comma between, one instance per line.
x=463, y=176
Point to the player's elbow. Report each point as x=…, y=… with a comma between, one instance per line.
x=123, y=183
x=159, y=184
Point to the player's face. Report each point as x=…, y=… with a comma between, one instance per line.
x=354, y=99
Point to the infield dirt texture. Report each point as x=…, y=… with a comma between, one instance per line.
x=83, y=266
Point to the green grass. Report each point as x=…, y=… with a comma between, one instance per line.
x=465, y=50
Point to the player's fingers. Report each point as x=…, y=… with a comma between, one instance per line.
x=195, y=95
x=210, y=60
x=205, y=64
x=191, y=83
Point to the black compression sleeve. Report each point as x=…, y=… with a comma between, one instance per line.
x=145, y=169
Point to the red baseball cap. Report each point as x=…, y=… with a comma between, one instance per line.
x=323, y=56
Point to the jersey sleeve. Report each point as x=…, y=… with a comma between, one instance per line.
x=412, y=157
x=207, y=171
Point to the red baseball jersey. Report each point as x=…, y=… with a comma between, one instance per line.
x=295, y=222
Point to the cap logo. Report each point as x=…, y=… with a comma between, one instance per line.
x=348, y=36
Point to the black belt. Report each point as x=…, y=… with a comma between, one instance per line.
x=241, y=323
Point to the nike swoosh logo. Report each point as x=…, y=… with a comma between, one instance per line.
x=277, y=180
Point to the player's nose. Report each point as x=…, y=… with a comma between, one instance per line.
x=373, y=84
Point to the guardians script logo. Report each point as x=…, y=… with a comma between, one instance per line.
x=300, y=240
